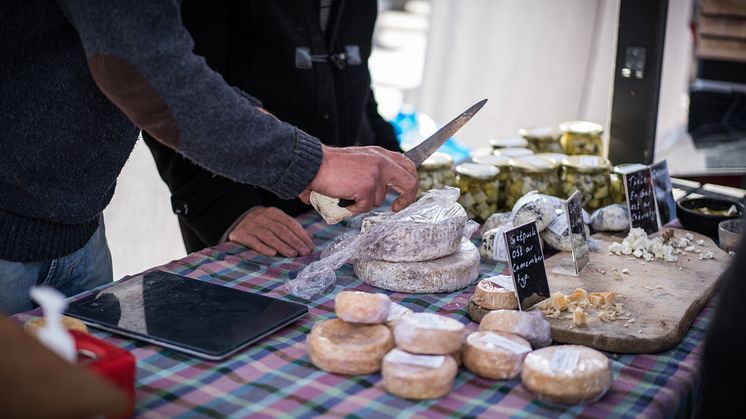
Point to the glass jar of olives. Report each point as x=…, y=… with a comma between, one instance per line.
x=502, y=163
x=479, y=187
x=589, y=175
x=436, y=172
x=531, y=173
x=513, y=152
x=582, y=137
x=618, y=196
x=542, y=139
x=498, y=143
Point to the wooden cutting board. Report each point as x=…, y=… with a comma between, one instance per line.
x=662, y=297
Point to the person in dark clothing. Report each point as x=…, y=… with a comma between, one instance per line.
x=289, y=56
x=79, y=79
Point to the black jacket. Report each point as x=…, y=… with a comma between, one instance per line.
x=259, y=46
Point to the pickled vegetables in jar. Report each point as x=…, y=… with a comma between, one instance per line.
x=582, y=138
x=479, y=187
x=502, y=163
x=531, y=173
x=542, y=139
x=590, y=175
x=510, y=142
x=513, y=152
x=618, y=196
x=436, y=172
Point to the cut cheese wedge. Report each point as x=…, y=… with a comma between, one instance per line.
x=362, y=307
x=349, y=349
x=428, y=333
x=495, y=355
x=569, y=374
x=418, y=377
x=492, y=296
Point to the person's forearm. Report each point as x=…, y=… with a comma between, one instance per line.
x=141, y=57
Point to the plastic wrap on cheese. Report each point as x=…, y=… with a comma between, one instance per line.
x=530, y=325
x=436, y=207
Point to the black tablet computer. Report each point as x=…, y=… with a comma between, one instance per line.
x=196, y=317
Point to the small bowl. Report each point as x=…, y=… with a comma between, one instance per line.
x=729, y=234
x=691, y=219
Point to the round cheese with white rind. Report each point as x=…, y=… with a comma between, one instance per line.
x=495, y=355
x=614, y=217
x=413, y=240
x=492, y=296
x=557, y=242
x=445, y=274
x=362, y=307
x=329, y=208
x=429, y=334
x=418, y=377
x=534, y=207
x=496, y=220
x=531, y=326
x=493, y=246
x=568, y=374
x=350, y=349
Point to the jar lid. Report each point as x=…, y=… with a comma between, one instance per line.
x=628, y=167
x=534, y=164
x=437, y=161
x=539, y=133
x=478, y=171
x=500, y=143
x=558, y=157
x=581, y=128
x=493, y=160
x=586, y=163
x=513, y=152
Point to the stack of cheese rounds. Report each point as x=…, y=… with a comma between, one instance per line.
x=423, y=366
x=492, y=294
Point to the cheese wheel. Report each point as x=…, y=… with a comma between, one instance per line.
x=411, y=240
x=70, y=323
x=494, y=297
x=428, y=333
x=445, y=274
x=396, y=312
x=495, y=355
x=362, y=307
x=418, y=377
x=493, y=244
x=569, y=374
x=529, y=325
x=349, y=349
x=457, y=356
x=476, y=312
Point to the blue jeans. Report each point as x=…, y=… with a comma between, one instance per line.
x=84, y=269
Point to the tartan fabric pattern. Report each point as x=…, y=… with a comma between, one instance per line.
x=275, y=378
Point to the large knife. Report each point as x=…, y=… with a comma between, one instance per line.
x=426, y=148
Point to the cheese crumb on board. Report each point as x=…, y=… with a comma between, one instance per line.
x=429, y=334
x=495, y=355
x=350, y=349
x=362, y=307
x=604, y=302
x=492, y=296
x=528, y=325
x=580, y=317
x=418, y=377
x=568, y=374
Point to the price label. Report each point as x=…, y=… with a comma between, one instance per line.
x=526, y=261
x=663, y=192
x=558, y=226
x=643, y=209
x=564, y=360
x=578, y=239
x=507, y=344
x=504, y=281
x=428, y=361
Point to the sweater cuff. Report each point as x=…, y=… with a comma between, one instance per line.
x=302, y=169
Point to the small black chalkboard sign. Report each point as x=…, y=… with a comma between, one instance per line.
x=527, y=265
x=643, y=209
x=578, y=239
x=663, y=192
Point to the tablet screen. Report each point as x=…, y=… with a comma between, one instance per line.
x=186, y=314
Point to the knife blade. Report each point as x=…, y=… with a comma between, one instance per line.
x=426, y=148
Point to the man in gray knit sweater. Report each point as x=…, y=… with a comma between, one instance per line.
x=78, y=79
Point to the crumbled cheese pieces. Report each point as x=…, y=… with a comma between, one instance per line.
x=579, y=302
x=666, y=247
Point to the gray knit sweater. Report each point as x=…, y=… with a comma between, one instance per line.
x=63, y=142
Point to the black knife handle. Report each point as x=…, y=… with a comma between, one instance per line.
x=344, y=203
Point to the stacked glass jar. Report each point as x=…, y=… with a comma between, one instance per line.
x=582, y=138
x=531, y=173
x=436, y=172
x=542, y=139
x=618, y=196
x=511, y=142
x=513, y=152
x=503, y=164
x=479, y=185
x=591, y=176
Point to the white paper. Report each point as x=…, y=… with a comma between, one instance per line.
x=564, y=360
x=427, y=361
x=396, y=311
x=558, y=226
x=507, y=344
x=54, y=335
x=433, y=321
x=505, y=281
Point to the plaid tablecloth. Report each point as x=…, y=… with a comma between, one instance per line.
x=275, y=378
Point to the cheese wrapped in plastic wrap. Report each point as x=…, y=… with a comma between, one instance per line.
x=495, y=355
x=429, y=334
x=531, y=326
